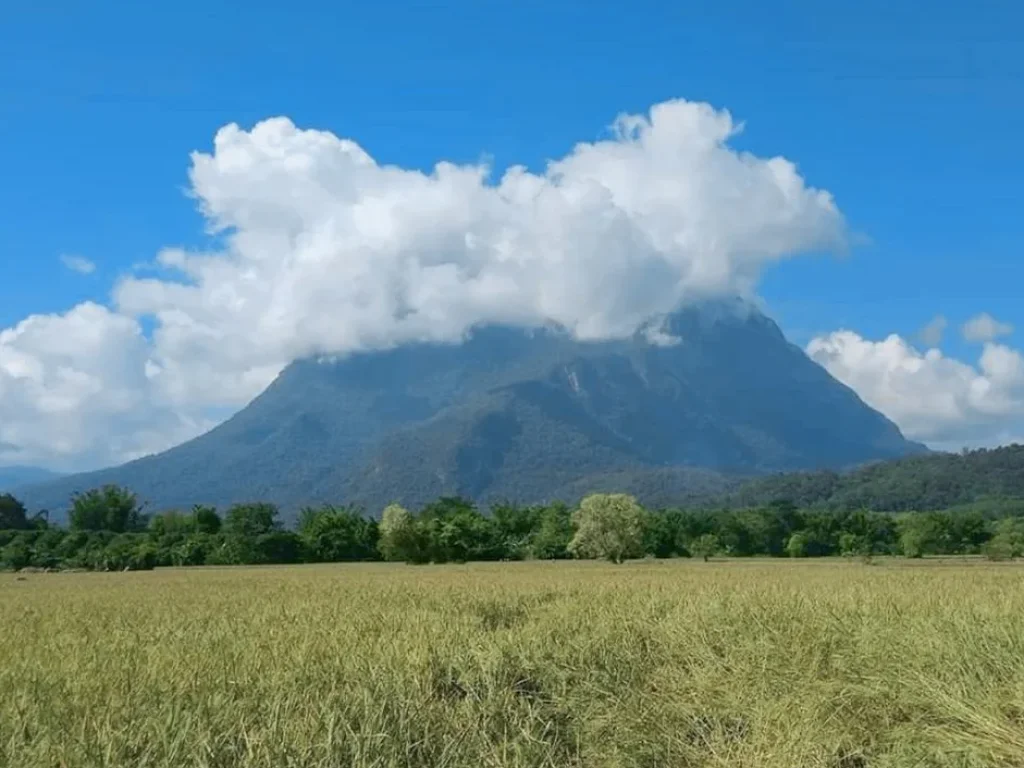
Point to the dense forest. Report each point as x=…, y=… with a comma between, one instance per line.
x=928, y=482
x=108, y=530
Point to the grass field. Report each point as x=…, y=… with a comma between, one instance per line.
x=787, y=663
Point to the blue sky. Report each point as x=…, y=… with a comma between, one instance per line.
x=910, y=118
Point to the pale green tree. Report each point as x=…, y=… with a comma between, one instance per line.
x=610, y=526
x=398, y=537
x=1007, y=542
x=705, y=546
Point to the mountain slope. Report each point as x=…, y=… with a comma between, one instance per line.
x=934, y=481
x=523, y=415
x=12, y=477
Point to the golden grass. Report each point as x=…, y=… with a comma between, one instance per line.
x=789, y=664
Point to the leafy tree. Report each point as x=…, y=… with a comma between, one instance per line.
x=13, y=516
x=171, y=524
x=110, y=508
x=250, y=520
x=191, y=551
x=690, y=526
x=515, y=527
x=966, y=531
x=72, y=543
x=336, y=534
x=229, y=550
x=399, y=539
x=822, y=530
x=852, y=544
x=16, y=555
x=661, y=533
x=464, y=536
x=705, y=546
x=554, y=532
x=872, y=532
x=920, y=534
x=754, y=532
x=277, y=547
x=1007, y=542
x=799, y=544
x=451, y=529
x=206, y=519
x=46, y=551
x=610, y=526
x=89, y=552
x=126, y=552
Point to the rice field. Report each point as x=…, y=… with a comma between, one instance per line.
x=791, y=664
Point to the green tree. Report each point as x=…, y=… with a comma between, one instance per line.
x=171, y=523
x=661, y=533
x=71, y=545
x=1007, y=542
x=16, y=555
x=852, y=544
x=705, y=546
x=553, y=534
x=610, y=526
x=690, y=526
x=755, y=531
x=46, y=550
x=966, y=531
x=191, y=551
x=13, y=516
x=866, y=533
x=515, y=527
x=110, y=508
x=452, y=530
x=127, y=552
x=276, y=547
x=89, y=554
x=250, y=520
x=206, y=519
x=919, y=534
x=337, y=534
x=399, y=538
x=799, y=544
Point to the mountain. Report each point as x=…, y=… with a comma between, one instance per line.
x=12, y=477
x=524, y=415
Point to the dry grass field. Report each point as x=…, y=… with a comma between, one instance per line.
x=791, y=664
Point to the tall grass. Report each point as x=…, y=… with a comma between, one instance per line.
x=575, y=664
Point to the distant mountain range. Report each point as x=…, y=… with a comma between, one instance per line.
x=12, y=477
x=709, y=392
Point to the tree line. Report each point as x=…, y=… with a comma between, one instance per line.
x=108, y=530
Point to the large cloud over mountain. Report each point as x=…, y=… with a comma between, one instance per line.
x=326, y=251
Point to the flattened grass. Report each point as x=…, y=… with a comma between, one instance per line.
x=651, y=664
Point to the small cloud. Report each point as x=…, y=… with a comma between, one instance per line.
x=660, y=338
x=79, y=264
x=931, y=334
x=984, y=327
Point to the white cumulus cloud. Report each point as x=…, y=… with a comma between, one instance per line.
x=74, y=387
x=79, y=264
x=984, y=327
x=327, y=251
x=942, y=401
